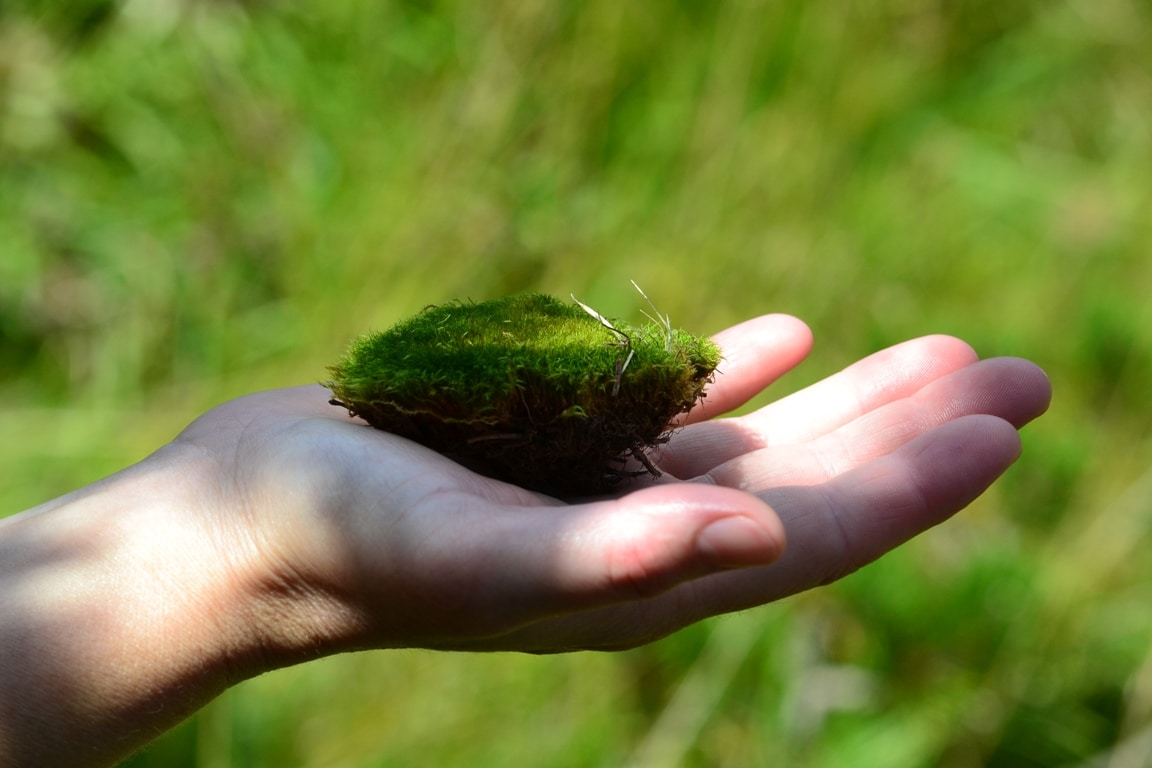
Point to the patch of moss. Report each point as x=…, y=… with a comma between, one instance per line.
x=529, y=389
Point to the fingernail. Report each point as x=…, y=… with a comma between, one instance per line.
x=734, y=542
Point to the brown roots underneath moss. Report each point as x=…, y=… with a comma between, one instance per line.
x=527, y=390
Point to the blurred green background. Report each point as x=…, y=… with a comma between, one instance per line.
x=199, y=199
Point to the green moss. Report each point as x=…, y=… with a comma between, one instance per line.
x=527, y=389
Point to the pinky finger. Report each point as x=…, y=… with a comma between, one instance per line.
x=756, y=353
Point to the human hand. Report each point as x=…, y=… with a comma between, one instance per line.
x=275, y=529
x=344, y=537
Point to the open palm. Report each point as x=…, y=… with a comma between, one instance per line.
x=379, y=542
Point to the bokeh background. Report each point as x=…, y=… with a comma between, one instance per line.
x=199, y=199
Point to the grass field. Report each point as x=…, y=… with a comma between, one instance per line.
x=200, y=199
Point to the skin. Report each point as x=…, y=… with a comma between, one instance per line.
x=275, y=530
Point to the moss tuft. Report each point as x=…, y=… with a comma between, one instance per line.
x=527, y=389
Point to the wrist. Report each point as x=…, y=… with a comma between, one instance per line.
x=121, y=618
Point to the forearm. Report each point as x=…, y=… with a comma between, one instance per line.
x=111, y=627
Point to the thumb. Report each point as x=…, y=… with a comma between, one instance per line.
x=642, y=544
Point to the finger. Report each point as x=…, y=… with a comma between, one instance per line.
x=837, y=527
x=542, y=563
x=819, y=409
x=1012, y=389
x=640, y=545
x=832, y=529
x=756, y=353
x=880, y=378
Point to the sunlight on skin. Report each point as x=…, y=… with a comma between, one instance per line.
x=276, y=529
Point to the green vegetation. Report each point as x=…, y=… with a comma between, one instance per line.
x=202, y=199
x=547, y=395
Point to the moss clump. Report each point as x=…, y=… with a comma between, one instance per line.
x=527, y=389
